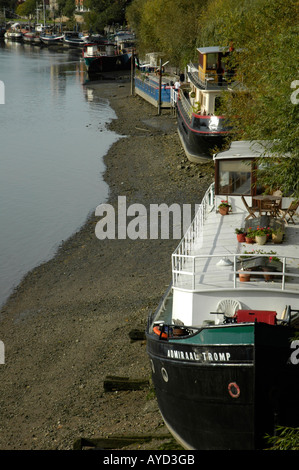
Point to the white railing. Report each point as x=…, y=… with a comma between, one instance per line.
x=186, y=104
x=173, y=97
x=208, y=80
x=192, y=234
x=194, y=278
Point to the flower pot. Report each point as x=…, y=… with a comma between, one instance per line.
x=261, y=239
x=241, y=237
x=249, y=239
x=244, y=276
x=268, y=277
x=277, y=237
x=223, y=210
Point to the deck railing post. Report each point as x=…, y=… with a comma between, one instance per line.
x=235, y=273
x=283, y=273
x=193, y=273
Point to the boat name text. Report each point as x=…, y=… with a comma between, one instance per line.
x=202, y=357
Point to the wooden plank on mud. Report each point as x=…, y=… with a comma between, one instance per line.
x=113, y=383
x=115, y=442
x=137, y=335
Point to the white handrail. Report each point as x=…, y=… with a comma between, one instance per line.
x=186, y=244
x=181, y=259
x=186, y=104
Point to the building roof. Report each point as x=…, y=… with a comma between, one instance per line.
x=243, y=149
x=212, y=49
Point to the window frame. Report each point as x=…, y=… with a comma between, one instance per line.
x=253, y=167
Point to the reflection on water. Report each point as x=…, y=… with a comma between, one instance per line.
x=53, y=139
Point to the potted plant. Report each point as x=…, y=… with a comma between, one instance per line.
x=277, y=235
x=250, y=236
x=244, y=275
x=273, y=263
x=224, y=207
x=261, y=234
x=251, y=261
x=244, y=272
x=240, y=232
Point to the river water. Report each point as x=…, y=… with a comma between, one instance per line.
x=53, y=138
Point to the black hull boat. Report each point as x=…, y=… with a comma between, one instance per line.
x=105, y=58
x=224, y=352
x=216, y=393
x=200, y=135
x=201, y=128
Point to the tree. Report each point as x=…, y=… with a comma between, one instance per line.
x=11, y=4
x=266, y=64
x=27, y=8
x=66, y=7
x=168, y=26
x=105, y=12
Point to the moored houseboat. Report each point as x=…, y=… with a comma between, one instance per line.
x=224, y=352
x=152, y=84
x=200, y=126
x=105, y=57
x=149, y=88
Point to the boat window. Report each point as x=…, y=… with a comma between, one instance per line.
x=211, y=61
x=234, y=177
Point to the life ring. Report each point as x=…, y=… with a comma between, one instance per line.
x=158, y=332
x=234, y=390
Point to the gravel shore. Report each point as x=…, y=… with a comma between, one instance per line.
x=66, y=327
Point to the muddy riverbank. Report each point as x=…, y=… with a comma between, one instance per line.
x=66, y=327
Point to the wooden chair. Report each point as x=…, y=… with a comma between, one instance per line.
x=289, y=212
x=249, y=209
x=269, y=208
x=265, y=207
x=277, y=203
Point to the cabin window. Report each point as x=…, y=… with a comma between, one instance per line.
x=211, y=61
x=234, y=177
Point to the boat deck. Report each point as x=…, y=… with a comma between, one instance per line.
x=211, y=262
x=147, y=86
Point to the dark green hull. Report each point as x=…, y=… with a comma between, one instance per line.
x=226, y=387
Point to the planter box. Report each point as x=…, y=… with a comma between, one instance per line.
x=256, y=263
